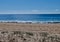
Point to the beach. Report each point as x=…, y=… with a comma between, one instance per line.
x=29, y=32
x=51, y=28
x=29, y=21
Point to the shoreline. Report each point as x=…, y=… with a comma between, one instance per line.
x=31, y=22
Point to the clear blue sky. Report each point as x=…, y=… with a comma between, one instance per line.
x=18, y=5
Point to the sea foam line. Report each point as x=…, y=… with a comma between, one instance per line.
x=18, y=21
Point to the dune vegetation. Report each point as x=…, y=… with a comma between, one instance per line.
x=20, y=36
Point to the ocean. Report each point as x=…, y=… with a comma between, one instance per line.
x=30, y=18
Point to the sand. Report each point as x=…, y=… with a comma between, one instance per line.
x=50, y=28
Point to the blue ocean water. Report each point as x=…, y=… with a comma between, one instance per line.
x=30, y=17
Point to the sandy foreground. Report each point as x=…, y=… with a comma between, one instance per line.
x=50, y=28
x=19, y=32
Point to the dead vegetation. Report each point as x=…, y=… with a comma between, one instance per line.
x=19, y=36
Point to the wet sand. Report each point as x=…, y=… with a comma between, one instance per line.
x=50, y=28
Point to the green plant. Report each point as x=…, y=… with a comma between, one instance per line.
x=29, y=33
x=17, y=32
x=43, y=34
x=4, y=32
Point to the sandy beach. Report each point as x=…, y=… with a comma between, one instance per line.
x=23, y=32
x=50, y=28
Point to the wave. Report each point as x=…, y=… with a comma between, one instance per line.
x=18, y=21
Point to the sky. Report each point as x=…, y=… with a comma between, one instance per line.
x=29, y=6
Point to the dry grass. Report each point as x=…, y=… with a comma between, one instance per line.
x=20, y=36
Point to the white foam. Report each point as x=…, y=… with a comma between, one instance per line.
x=18, y=21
